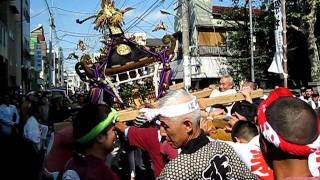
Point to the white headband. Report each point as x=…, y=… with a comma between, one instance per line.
x=173, y=110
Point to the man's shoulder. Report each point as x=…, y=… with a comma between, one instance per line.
x=215, y=158
x=200, y=156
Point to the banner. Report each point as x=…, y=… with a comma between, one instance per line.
x=276, y=65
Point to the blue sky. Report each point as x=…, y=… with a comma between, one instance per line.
x=66, y=12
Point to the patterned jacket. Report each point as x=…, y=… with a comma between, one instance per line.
x=215, y=160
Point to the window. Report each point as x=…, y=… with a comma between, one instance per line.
x=207, y=38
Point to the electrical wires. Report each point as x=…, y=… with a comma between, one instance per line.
x=155, y=5
x=74, y=12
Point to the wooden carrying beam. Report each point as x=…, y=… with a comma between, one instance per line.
x=202, y=94
x=176, y=86
x=126, y=115
x=229, y=98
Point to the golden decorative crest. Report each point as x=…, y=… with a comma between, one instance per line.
x=123, y=49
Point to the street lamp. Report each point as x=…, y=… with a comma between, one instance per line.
x=164, y=11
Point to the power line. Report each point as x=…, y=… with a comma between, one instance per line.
x=75, y=12
x=48, y=8
x=39, y=13
x=124, y=2
x=74, y=35
x=35, y=15
x=172, y=2
x=141, y=18
x=146, y=32
x=78, y=33
x=143, y=15
x=134, y=5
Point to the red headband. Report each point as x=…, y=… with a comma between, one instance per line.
x=273, y=137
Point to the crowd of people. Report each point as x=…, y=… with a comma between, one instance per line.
x=272, y=137
x=26, y=123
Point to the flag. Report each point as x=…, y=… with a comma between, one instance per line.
x=276, y=65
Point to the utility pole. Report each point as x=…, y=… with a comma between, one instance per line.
x=285, y=49
x=251, y=42
x=50, y=56
x=185, y=43
x=23, y=78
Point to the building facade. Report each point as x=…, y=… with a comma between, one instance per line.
x=15, y=66
x=38, y=51
x=71, y=81
x=208, y=37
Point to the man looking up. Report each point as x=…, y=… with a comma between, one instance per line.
x=199, y=159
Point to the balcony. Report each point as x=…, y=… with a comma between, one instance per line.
x=204, y=50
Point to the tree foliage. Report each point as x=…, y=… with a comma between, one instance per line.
x=301, y=18
x=263, y=31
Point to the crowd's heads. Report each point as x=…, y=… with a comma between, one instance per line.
x=5, y=98
x=246, y=109
x=249, y=86
x=81, y=98
x=94, y=125
x=243, y=131
x=303, y=89
x=36, y=110
x=180, y=117
x=289, y=126
x=315, y=96
x=309, y=92
x=33, y=96
x=226, y=83
x=188, y=105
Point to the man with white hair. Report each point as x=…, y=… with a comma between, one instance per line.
x=225, y=87
x=199, y=158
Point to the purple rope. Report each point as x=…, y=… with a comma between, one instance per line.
x=96, y=73
x=162, y=77
x=105, y=62
x=95, y=94
x=164, y=60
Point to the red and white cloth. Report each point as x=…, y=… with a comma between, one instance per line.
x=273, y=137
x=314, y=163
x=251, y=155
